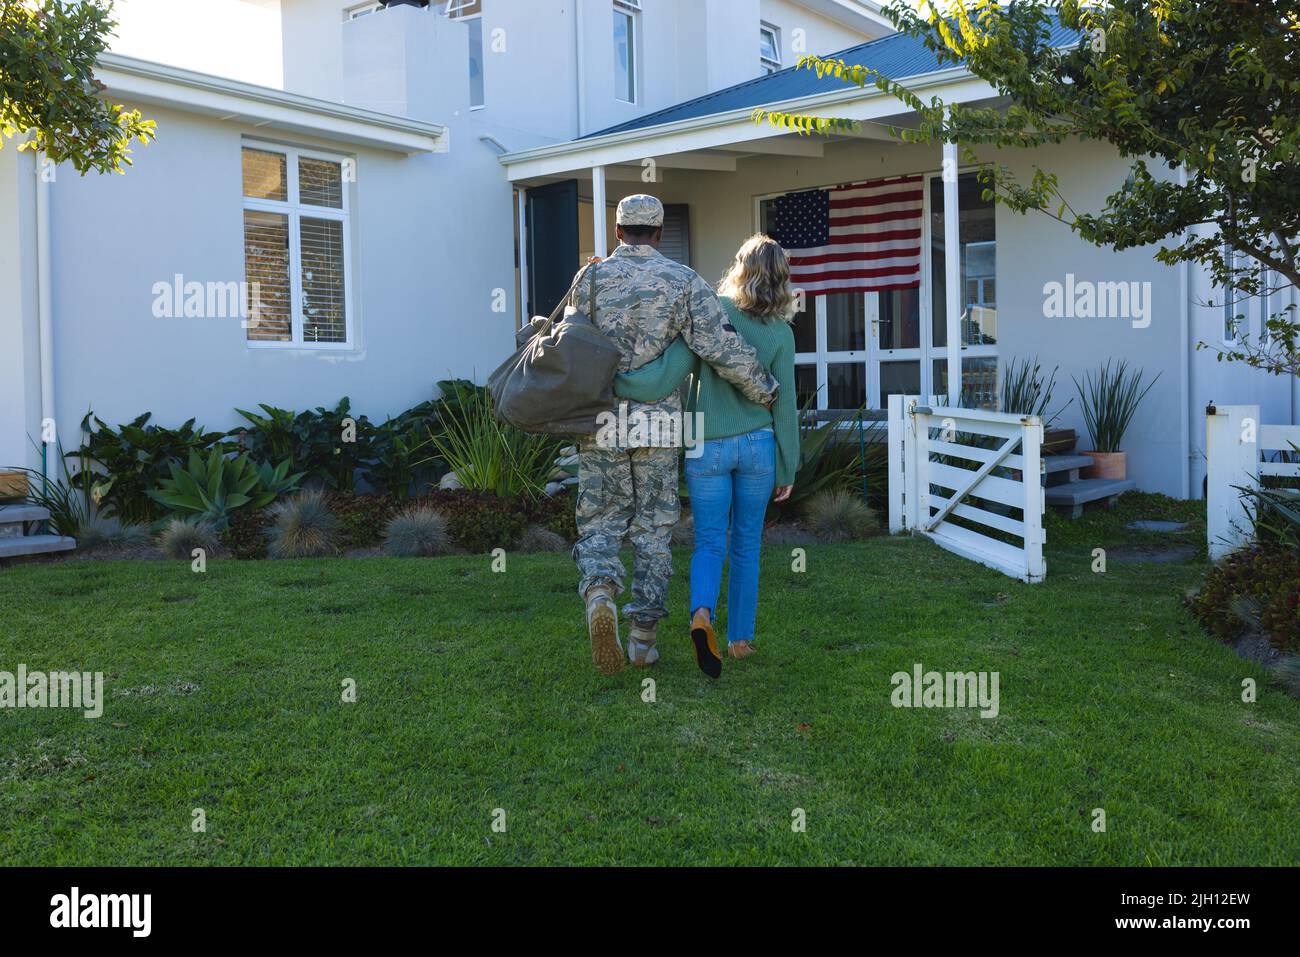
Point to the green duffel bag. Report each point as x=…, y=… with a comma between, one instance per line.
x=561, y=378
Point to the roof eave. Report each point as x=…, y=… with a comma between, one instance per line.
x=142, y=81
x=693, y=133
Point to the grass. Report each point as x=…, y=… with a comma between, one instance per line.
x=475, y=692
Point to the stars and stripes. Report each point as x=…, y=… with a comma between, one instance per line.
x=860, y=237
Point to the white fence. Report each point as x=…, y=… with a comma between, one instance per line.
x=1239, y=451
x=957, y=475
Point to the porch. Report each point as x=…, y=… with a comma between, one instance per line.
x=720, y=175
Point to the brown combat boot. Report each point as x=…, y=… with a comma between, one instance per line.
x=641, y=650
x=602, y=626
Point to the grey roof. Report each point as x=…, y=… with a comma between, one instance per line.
x=896, y=56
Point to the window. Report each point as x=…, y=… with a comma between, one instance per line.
x=471, y=11
x=1266, y=301
x=626, y=21
x=296, y=256
x=769, y=47
x=360, y=10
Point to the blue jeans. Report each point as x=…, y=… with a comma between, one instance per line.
x=730, y=484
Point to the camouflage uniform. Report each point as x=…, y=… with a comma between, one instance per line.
x=628, y=483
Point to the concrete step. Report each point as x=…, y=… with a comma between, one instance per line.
x=23, y=512
x=35, y=545
x=1065, y=463
x=1074, y=495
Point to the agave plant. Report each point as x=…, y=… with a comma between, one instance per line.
x=211, y=490
x=1109, y=399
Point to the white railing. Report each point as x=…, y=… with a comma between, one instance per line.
x=1239, y=452
x=982, y=468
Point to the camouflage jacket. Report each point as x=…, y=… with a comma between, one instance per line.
x=645, y=300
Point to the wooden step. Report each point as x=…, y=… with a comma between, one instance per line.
x=22, y=512
x=1075, y=494
x=35, y=545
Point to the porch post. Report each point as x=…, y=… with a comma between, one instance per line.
x=952, y=271
x=598, y=210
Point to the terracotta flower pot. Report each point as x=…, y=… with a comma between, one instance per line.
x=1106, y=465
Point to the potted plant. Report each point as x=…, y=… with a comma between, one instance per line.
x=1109, y=398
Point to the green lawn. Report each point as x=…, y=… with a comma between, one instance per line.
x=476, y=692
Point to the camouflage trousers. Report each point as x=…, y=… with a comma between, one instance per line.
x=628, y=492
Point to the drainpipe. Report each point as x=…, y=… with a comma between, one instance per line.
x=580, y=66
x=1185, y=393
x=952, y=271
x=44, y=310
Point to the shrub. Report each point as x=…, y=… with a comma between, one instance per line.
x=302, y=527
x=112, y=533
x=246, y=535
x=67, y=500
x=328, y=446
x=1254, y=589
x=362, y=518
x=538, y=538
x=839, y=515
x=417, y=532
x=180, y=538
x=489, y=456
x=133, y=460
x=1287, y=674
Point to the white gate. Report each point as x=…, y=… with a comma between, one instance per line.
x=971, y=481
x=1239, y=450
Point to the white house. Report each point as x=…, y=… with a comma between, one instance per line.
x=429, y=176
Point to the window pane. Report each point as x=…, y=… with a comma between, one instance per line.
x=846, y=385
x=323, y=308
x=805, y=385
x=624, y=51
x=320, y=182
x=266, y=270
x=805, y=327
x=976, y=226
x=846, y=322
x=476, y=95
x=899, y=378
x=266, y=175
x=767, y=45
x=979, y=381
x=900, y=319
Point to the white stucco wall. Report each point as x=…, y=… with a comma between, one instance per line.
x=429, y=245
x=532, y=67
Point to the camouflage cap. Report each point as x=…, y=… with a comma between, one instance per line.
x=640, y=210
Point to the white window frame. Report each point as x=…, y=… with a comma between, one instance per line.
x=770, y=65
x=632, y=10
x=360, y=10
x=456, y=9
x=295, y=209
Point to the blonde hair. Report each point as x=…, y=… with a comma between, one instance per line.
x=758, y=280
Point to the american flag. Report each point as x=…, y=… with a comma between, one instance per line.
x=861, y=237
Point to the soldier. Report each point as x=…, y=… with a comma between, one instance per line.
x=627, y=478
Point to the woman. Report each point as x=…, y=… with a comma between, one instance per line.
x=747, y=449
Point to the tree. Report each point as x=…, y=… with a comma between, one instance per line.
x=1209, y=87
x=48, y=90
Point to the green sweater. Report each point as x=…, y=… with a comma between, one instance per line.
x=726, y=411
